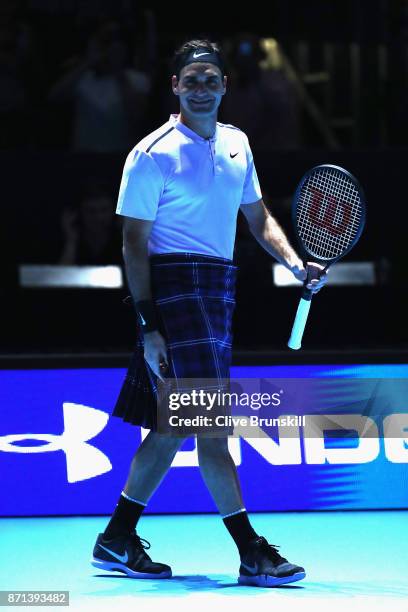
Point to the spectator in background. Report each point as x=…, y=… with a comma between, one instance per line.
x=260, y=99
x=21, y=76
x=91, y=234
x=111, y=100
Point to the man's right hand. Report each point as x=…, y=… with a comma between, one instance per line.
x=155, y=353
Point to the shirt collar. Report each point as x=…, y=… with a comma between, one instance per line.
x=181, y=127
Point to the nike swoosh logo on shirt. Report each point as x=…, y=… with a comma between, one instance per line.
x=122, y=558
x=232, y=155
x=195, y=54
x=251, y=570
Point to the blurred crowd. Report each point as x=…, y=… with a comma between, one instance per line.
x=91, y=78
x=88, y=79
x=83, y=79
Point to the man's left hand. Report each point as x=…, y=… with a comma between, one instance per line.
x=314, y=271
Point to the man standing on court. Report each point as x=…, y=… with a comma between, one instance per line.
x=181, y=190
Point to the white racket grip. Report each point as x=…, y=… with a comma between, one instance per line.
x=295, y=340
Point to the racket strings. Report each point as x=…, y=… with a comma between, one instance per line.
x=329, y=213
x=315, y=232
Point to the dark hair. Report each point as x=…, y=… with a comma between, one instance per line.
x=182, y=53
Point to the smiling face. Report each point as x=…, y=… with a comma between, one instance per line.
x=200, y=88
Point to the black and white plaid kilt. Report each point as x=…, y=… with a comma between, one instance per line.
x=195, y=298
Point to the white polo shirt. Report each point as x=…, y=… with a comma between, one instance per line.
x=191, y=187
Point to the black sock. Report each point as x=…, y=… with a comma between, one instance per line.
x=124, y=518
x=240, y=529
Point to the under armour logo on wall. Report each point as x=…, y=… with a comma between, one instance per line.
x=81, y=423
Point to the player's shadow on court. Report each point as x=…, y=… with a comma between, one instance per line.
x=219, y=583
x=183, y=585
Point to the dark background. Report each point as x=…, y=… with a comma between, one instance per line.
x=350, y=62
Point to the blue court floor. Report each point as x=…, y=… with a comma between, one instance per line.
x=354, y=561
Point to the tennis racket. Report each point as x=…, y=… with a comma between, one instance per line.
x=328, y=214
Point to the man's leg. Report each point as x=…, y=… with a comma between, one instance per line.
x=148, y=468
x=261, y=564
x=119, y=548
x=220, y=475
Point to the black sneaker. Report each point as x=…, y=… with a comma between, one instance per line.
x=263, y=566
x=127, y=554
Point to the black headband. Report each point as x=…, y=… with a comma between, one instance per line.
x=202, y=54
